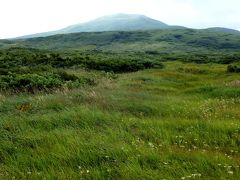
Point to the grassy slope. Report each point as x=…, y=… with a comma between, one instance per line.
x=172, y=123
x=169, y=41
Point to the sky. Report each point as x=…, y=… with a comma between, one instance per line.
x=22, y=17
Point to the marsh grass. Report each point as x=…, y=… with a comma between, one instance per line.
x=181, y=122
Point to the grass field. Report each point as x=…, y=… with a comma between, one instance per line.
x=180, y=122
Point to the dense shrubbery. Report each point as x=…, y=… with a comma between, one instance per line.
x=33, y=70
x=233, y=69
x=202, y=58
x=97, y=61
x=30, y=69
x=120, y=66
x=39, y=81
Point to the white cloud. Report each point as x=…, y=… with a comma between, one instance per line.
x=32, y=16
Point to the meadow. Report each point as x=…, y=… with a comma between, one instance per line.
x=177, y=122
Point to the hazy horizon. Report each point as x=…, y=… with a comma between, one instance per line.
x=27, y=17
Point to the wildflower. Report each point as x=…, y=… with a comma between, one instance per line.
x=151, y=144
x=183, y=178
x=230, y=172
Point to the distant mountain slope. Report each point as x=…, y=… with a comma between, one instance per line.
x=120, y=22
x=168, y=40
x=221, y=29
x=117, y=22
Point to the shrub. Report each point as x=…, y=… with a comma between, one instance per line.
x=43, y=81
x=30, y=82
x=67, y=77
x=233, y=69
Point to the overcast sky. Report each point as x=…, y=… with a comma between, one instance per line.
x=21, y=17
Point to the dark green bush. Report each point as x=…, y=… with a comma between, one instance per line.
x=233, y=69
x=43, y=81
x=67, y=77
x=30, y=82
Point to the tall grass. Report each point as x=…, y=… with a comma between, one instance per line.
x=180, y=122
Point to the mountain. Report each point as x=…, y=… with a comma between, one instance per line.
x=117, y=22
x=120, y=22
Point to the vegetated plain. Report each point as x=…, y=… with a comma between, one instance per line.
x=121, y=109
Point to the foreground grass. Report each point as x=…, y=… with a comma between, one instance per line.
x=178, y=123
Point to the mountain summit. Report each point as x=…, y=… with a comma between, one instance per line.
x=116, y=22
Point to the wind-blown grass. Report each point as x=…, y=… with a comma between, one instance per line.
x=174, y=123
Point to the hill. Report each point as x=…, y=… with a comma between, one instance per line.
x=117, y=22
x=224, y=30
x=168, y=40
x=121, y=22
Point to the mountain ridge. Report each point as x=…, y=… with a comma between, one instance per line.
x=116, y=22
x=119, y=22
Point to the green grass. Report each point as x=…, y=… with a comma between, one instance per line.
x=179, y=122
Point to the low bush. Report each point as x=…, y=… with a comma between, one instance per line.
x=233, y=69
x=116, y=65
x=43, y=81
x=31, y=70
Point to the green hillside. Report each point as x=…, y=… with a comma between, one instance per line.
x=158, y=40
x=199, y=46
x=159, y=104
